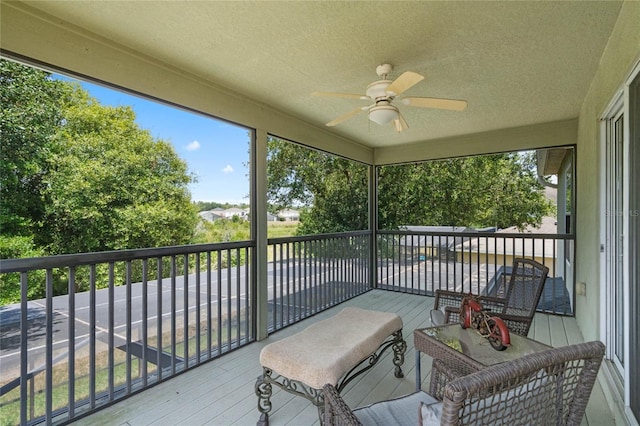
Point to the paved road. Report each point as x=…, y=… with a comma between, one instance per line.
x=175, y=299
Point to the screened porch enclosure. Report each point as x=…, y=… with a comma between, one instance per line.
x=165, y=334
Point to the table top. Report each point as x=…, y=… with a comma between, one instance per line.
x=452, y=340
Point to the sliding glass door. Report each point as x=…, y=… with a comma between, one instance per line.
x=621, y=241
x=614, y=237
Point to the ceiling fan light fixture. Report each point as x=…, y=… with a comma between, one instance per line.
x=383, y=92
x=383, y=114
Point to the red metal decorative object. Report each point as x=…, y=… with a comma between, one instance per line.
x=491, y=327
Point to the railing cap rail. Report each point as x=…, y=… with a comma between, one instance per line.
x=284, y=240
x=478, y=234
x=78, y=259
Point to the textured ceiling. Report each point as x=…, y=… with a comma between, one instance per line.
x=517, y=63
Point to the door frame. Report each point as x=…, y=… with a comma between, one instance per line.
x=629, y=388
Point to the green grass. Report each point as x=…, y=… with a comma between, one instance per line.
x=238, y=230
x=10, y=406
x=281, y=229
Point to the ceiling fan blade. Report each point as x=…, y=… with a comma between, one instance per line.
x=450, y=104
x=400, y=123
x=407, y=80
x=344, y=117
x=340, y=95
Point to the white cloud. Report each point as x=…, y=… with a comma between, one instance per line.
x=193, y=146
x=227, y=169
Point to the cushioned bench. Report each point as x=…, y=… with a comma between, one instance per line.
x=334, y=350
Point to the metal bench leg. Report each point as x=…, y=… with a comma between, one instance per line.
x=264, y=391
x=399, y=348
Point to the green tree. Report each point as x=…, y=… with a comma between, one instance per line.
x=30, y=116
x=112, y=185
x=335, y=187
x=76, y=176
x=492, y=190
x=210, y=205
x=12, y=247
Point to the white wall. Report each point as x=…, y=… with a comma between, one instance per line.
x=621, y=53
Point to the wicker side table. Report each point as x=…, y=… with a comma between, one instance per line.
x=461, y=351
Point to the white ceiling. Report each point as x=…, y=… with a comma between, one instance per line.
x=516, y=63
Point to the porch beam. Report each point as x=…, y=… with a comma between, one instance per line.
x=542, y=135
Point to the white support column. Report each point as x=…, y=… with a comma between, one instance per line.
x=260, y=227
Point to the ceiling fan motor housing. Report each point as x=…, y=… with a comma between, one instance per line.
x=378, y=90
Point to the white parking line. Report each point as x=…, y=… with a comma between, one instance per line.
x=59, y=343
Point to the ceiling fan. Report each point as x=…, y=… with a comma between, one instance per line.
x=384, y=92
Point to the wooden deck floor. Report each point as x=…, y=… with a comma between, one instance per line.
x=222, y=391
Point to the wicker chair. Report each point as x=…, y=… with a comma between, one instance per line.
x=514, y=301
x=545, y=388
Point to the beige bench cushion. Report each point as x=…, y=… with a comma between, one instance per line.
x=326, y=350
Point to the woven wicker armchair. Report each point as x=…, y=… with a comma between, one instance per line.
x=545, y=388
x=515, y=300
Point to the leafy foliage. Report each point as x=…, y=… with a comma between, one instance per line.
x=482, y=191
x=12, y=247
x=29, y=119
x=77, y=176
x=202, y=206
x=114, y=186
x=335, y=187
x=225, y=230
x=498, y=190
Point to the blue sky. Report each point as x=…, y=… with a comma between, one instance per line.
x=216, y=152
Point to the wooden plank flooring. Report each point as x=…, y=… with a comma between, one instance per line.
x=221, y=392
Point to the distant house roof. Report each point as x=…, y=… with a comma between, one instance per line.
x=519, y=247
x=434, y=240
x=209, y=216
x=234, y=211
x=436, y=228
x=289, y=214
x=549, y=225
